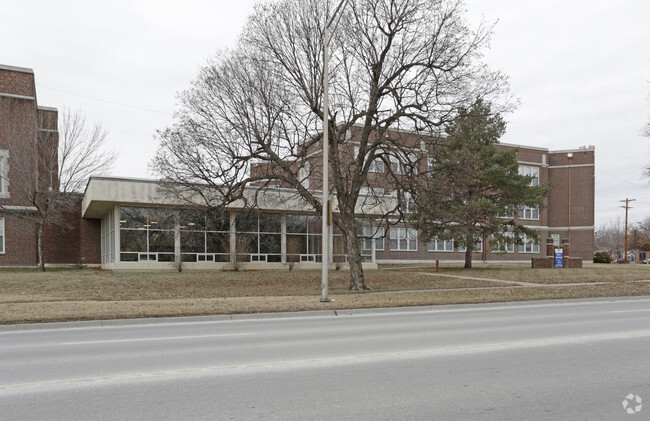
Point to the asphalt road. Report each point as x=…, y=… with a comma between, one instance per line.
x=571, y=360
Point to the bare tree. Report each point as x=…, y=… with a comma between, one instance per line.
x=82, y=151
x=611, y=238
x=399, y=70
x=46, y=179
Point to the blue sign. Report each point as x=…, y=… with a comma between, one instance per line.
x=559, y=258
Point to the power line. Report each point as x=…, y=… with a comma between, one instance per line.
x=620, y=179
x=106, y=101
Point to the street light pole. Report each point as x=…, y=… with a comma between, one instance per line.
x=326, y=204
x=570, y=158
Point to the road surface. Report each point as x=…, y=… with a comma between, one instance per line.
x=564, y=360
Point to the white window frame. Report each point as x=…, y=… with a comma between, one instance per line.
x=379, y=235
x=530, y=170
x=377, y=165
x=528, y=247
x=438, y=245
x=556, y=240
x=528, y=212
x=395, y=165
x=2, y=233
x=478, y=249
x=399, y=234
x=303, y=175
x=510, y=247
x=4, y=174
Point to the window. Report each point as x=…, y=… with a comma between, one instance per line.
x=409, y=202
x=556, y=240
x=147, y=234
x=303, y=175
x=403, y=239
x=304, y=240
x=377, y=165
x=528, y=246
x=2, y=235
x=477, y=248
x=395, y=165
x=404, y=165
x=506, y=246
x=4, y=174
x=441, y=245
x=380, y=233
x=259, y=237
x=530, y=171
x=526, y=212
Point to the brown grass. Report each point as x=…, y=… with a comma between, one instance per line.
x=522, y=272
x=30, y=296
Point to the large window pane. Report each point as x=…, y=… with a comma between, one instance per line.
x=270, y=243
x=133, y=240
x=218, y=221
x=297, y=223
x=296, y=244
x=133, y=217
x=192, y=242
x=161, y=219
x=246, y=221
x=314, y=244
x=218, y=242
x=161, y=241
x=314, y=224
x=246, y=243
x=192, y=219
x=270, y=222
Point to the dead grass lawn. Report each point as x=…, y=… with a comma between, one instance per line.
x=60, y=295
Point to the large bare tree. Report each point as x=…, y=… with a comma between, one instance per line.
x=47, y=180
x=398, y=70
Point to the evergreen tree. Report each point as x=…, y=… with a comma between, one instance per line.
x=475, y=187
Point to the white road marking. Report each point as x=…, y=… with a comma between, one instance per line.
x=630, y=311
x=320, y=361
x=165, y=338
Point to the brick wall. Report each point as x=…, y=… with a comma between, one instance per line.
x=75, y=240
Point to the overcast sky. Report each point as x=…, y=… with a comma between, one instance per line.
x=581, y=70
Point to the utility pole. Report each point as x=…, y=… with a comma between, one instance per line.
x=627, y=208
x=327, y=204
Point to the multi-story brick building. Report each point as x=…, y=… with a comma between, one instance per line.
x=130, y=224
x=27, y=132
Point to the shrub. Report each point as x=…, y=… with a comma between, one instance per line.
x=602, y=257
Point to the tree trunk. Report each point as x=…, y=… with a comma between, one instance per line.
x=357, y=279
x=39, y=233
x=468, y=256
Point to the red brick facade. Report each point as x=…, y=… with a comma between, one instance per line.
x=552, y=221
x=28, y=139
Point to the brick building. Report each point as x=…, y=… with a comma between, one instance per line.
x=27, y=131
x=144, y=229
x=131, y=224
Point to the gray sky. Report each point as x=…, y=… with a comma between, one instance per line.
x=581, y=70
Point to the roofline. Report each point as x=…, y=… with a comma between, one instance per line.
x=514, y=145
x=16, y=69
x=586, y=149
x=44, y=108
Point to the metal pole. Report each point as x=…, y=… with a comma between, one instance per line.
x=570, y=157
x=327, y=206
x=324, y=286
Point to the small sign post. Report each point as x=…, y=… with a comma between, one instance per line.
x=559, y=258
